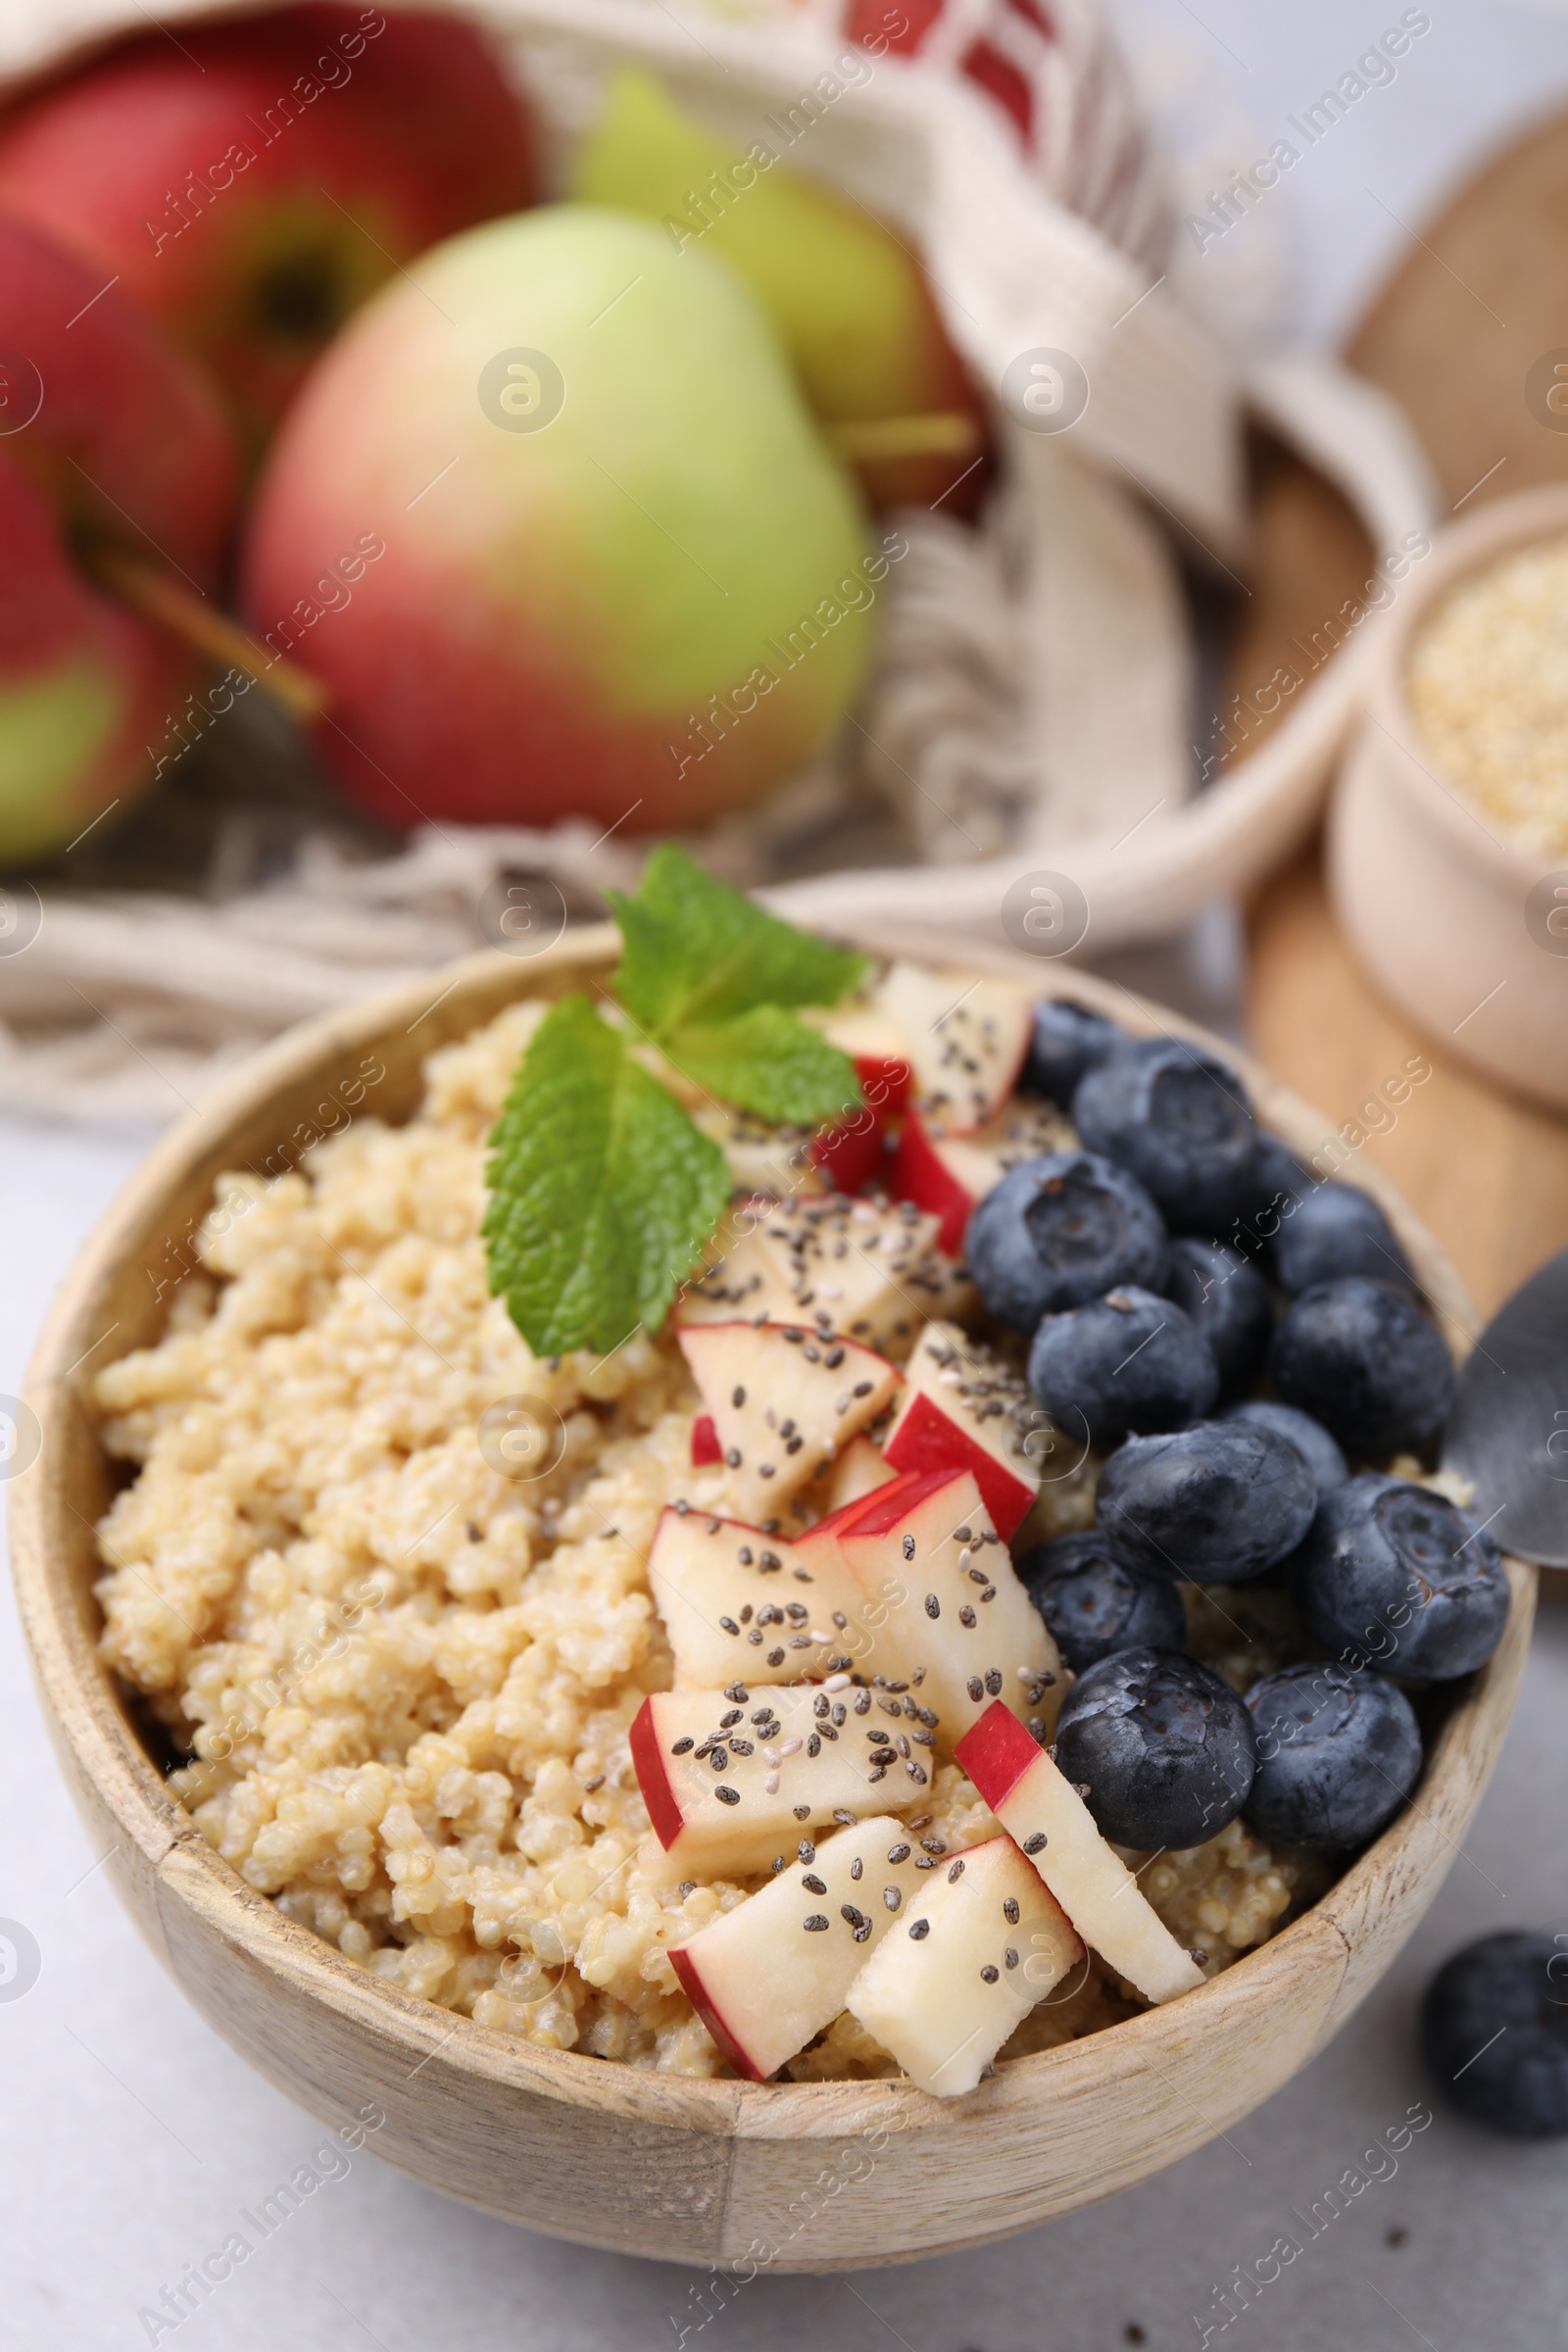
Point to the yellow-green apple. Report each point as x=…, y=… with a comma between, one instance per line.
x=622, y=578
x=252, y=182
x=850, y=301
x=110, y=438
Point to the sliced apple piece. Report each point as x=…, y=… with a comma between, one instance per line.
x=964, y=1629
x=769, y=1976
x=762, y=1158
x=1047, y=1818
x=964, y=1040
x=783, y=1400
x=859, y=1470
x=865, y=1269
x=962, y=1409
x=735, y=1601
x=982, y=1941
x=852, y=1151
x=948, y=1175
x=731, y=1781
x=874, y=1043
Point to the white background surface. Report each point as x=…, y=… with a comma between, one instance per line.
x=132, y=2136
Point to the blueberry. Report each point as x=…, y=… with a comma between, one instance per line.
x=1163, y=1745
x=1068, y=1040
x=1093, y=1606
x=1494, y=2033
x=1126, y=1361
x=1218, y=1502
x=1178, y=1119
x=1272, y=1181
x=1323, y=1458
x=1059, y=1231
x=1228, y=1302
x=1334, y=1231
x=1392, y=1575
x=1363, y=1358
x=1338, y=1753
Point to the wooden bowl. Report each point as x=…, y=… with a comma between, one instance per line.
x=790, y=2176
x=1443, y=909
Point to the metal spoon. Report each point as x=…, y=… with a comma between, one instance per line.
x=1508, y=1431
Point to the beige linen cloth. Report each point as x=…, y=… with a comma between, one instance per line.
x=1031, y=707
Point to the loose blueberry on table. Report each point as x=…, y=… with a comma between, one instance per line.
x=1494, y=2033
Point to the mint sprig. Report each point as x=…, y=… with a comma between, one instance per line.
x=604, y=1193
x=710, y=978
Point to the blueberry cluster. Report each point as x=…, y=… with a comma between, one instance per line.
x=1177, y=1260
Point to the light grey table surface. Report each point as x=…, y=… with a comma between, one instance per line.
x=131, y=2136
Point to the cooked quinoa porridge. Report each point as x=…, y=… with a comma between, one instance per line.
x=405, y=1678
x=1488, y=685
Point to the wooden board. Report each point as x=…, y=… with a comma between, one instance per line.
x=1452, y=337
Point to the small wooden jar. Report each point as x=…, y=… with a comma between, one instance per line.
x=1462, y=926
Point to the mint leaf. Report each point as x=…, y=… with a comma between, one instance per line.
x=768, y=1063
x=602, y=1192
x=698, y=952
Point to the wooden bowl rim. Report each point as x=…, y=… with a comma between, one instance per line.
x=88, y=1714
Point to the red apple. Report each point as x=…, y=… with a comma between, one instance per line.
x=250, y=183
x=110, y=439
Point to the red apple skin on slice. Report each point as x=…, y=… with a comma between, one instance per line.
x=828, y=1771
x=950, y=1174
x=705, y=1446
x=875, y=1045
x=982, y=1942
x=928, y=1438
x=850, y=1154
x=1049, y=1822
x=920, y=1173
x=962, y=1627
x=762, y=1980
x=963, y=1409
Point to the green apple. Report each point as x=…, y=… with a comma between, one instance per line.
x=850, y=301
x=616, y=571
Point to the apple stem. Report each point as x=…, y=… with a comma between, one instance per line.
x=944, y=432
x=151, y=593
